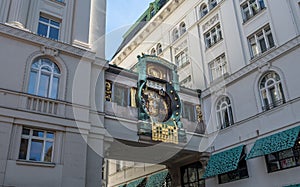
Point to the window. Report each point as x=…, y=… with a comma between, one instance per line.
x=284, y=159
x=203, y=10
x=61, y=1
x=120, y=95
x=224, y=113
x=44, y=78
x=191, y=175
x=261, y=41
x=168, y=181
x=182, y=59
x=159, y=49
x=212, y=4
x=188, y=111
x=182, y=27
x=213, y=36
x=251, y=7
x=240, y=173
x=48, y=28
x=36, y=145
x=175, y=34
x=153, y=52
x=218, y=67
x=271, y=90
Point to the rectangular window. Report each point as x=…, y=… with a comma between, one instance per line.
x=36, y=145
x=186, y=80
x=284, y=159
x=261, y=41
x=240, y=173
x=48, y=28
x=189, y=111
x=191, y=175
x=251, y=7
x=213, y=36
x=182, y=59
x=218, y=67
x=120, y=95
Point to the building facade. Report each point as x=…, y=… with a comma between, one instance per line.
x=52, y=54
x=242, y=55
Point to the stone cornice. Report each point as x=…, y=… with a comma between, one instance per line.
x=31, y=37
x=256, y=63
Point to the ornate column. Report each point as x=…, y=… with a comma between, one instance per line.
x=18, y=13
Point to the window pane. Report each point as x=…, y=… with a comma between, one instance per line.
x=36, y=150
x=48, y=151
x=25, y=131
x=54, y=32
x=271, y=41
x=43, y=19
x=263, y=45
x=42, y=29
x=38, y=133
x=23, y=149
x=44, y=85
x=50, y=135
x=55, y=23
x=32, y=82
x=54, y=90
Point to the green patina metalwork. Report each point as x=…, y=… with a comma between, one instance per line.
x=294, y=185
x=135, y=183
x=223, y=162
x=157, y=179
x=274, y=143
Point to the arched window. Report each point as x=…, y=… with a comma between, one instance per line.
x=182, y=27
x=159, y=48
x=44, y=78
x=203, y=10
x=224, y=113
x=212, y=4
x=175, y=34
x=153, y=52
x=271, y=90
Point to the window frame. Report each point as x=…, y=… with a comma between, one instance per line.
x=286, y=159
x=212, y=4
x=203, y=10
x=125, y=97
x=213, y=36
x=224, y=112
x=30, y=137
x=159, y=48
x=175, y=34
x=261, y=41
x=267, y=82
x=189, y=111
x=248, y=6
x=218, y=67
x=187, y=168
x=50, y=25
x=182, y=28
x=182, y=58
x=44, y=67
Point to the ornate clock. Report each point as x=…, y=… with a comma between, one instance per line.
x=158, y=102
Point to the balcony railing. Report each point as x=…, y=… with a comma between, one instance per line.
x=43, y=105
x=273, y=105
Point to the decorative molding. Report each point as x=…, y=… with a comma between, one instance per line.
x=257, y=63
x=49, y=51
x=26, y=35
x=210, y=22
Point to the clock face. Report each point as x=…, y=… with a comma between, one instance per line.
x=157, y=105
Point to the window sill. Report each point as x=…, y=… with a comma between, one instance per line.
x=213, y=45
x=245, y=22
x=219, y=79
x=33, y=163
x=58, y=2
x=260, y=55
x=183, y=65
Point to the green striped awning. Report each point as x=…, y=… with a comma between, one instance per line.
x=274, y=143
x=223, y=162
x=123, y=185
x=157, y=179
x=135, y=183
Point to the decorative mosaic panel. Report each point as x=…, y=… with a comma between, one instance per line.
x=223, y=162
x=157, y=179
x=274, y=143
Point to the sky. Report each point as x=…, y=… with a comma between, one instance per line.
x=120, y=15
